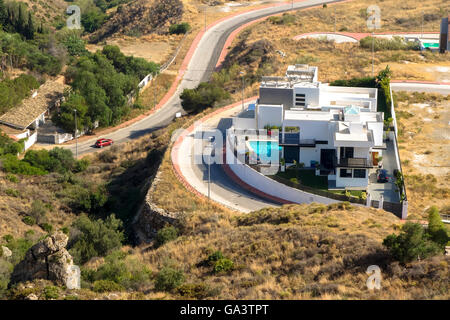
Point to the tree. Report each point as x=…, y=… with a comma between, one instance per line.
x=94, y=238
x=202, y=97
x=168, y=279
x=413, y=243
x=436, y=228
x=3, y=13
x=29, y=28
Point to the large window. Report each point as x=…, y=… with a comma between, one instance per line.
x=345, y=173
x=359, y=173
x=346, y=152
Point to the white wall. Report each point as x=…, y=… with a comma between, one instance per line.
x=351, y=182
x=377, y=129
x=310, y=129
x=31, y=140
x=361, y=153
x=269, y=115
x=312, y=95
x=267, y=185
x=244, y=123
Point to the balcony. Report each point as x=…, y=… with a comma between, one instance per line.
x=355, y=163
x=293, y=139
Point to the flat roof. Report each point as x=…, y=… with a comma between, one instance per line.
x=308, y=115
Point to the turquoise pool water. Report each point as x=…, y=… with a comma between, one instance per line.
x=264, y=148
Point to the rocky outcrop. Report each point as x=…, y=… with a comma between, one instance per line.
x=48, y=259
x=5, y=252
x=151, y=218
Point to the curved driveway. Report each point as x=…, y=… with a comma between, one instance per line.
x=200, y=68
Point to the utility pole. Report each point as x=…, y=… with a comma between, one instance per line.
x=76, y=137
x=154, y=92
x=334, y=19
x=421, y=36
x=243, y=88
x=292, y=4
x=373, y=52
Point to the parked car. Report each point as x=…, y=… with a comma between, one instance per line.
x=103, y=143
x=382, y=176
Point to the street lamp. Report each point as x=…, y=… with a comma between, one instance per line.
x=243, y=88
x=76, y=137
x=208, y=151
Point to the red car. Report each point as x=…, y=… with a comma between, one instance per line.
x=103, y=143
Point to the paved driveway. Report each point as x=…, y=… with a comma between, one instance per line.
x=388, y=189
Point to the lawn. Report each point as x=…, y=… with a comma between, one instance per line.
x=305, y=177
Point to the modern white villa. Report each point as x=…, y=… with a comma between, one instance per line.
x=336, y=130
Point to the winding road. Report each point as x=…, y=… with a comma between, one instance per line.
x=201, y=65
x=200, y=68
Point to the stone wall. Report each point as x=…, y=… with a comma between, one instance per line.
x=151, y=218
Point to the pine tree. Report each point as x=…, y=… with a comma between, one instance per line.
x=29, y=29
x=20, y=22
x=3, y=13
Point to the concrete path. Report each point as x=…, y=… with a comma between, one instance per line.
x=223, y=189
x=412, y=86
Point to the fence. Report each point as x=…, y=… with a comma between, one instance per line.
x=148, y=78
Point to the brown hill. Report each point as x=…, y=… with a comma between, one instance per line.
x=141, y=17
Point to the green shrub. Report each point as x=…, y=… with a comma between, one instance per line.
x=12, y=178
x=38, y=211
x=412, y=243
x=51, y=292
x=223, y=265
x=29, y=220
x=96, y=237
x=125, y=271
x=47, y=227
x=12, y=192
x=81, y=165
x=12, y=164
x=106, y=286
x=396, y=43
x=180, y=28
x=168, y=279
x=194, y=290
x=215, y=256
x=166, y=234
x=436, y=228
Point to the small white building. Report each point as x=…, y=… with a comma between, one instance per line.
x=23, y=121
x=336, y=130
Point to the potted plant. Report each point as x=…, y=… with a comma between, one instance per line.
x=283, y=164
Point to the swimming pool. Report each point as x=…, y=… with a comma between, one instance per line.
x=264, y=148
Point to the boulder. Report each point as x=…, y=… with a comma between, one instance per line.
x=48, y=259
x=6, y=252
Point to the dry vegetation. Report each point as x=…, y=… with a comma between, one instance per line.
x=295, y=252
x=424, y=150
x=348, y=60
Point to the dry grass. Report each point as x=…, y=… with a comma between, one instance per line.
x=276, y=256
x=347, y=60
x=424, y=149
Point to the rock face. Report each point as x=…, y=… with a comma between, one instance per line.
x=47, y=259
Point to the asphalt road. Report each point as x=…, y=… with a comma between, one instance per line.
x=199, y=69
